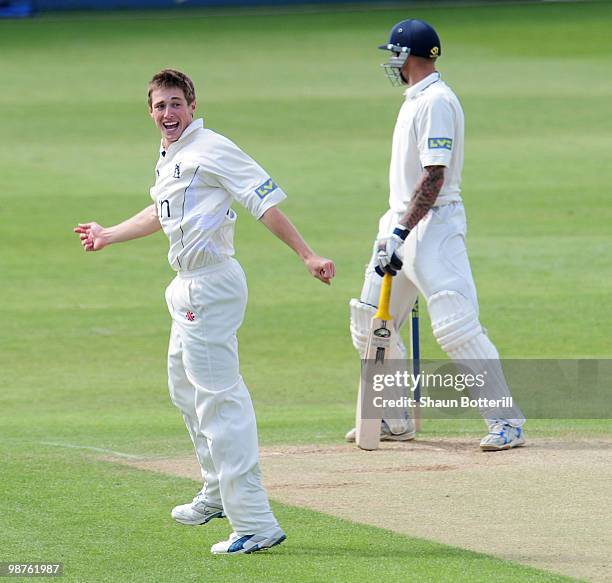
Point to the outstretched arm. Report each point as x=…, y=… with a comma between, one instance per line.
x=320, y=267
x=95, y=237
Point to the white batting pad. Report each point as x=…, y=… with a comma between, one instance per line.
x=361, y=318
x=457, y=329
x=454, y=322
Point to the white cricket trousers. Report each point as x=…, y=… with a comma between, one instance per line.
x=207, y=307
x=435, y=258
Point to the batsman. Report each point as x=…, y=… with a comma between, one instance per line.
x=421, y=238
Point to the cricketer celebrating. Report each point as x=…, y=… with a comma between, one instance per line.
x=421, y=238
x=198, y=176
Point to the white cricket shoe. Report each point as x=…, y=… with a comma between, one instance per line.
x=385, y=433
x=198, y=511
x=246, y=544
x=502, y=436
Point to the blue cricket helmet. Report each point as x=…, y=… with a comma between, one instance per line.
x=410, y=37
x=416, y=37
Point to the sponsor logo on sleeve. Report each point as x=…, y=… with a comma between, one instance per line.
x=440, y=143
x=266, y=188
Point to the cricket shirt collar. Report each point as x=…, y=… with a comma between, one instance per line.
x=419, y=87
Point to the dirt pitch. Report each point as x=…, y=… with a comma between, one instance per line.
x=547, y=505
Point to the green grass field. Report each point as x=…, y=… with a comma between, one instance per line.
x=83, y=337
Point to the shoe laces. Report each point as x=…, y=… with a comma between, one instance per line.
x=498, y=428
x=199, y=497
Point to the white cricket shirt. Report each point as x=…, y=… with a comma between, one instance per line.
x=428, y=132
x=197, y=179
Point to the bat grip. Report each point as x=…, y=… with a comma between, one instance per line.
x=384, y=300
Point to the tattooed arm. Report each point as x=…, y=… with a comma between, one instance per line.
x=424, y=197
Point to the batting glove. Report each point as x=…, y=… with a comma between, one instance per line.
x=388, y=259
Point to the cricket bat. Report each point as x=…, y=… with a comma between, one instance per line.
x=381, y=338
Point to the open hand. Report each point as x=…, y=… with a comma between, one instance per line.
x=92, y=236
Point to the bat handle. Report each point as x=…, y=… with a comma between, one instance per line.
x=385, y=298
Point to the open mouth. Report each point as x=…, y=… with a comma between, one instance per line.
x=171, y=126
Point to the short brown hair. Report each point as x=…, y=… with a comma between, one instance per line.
x=167, y=78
